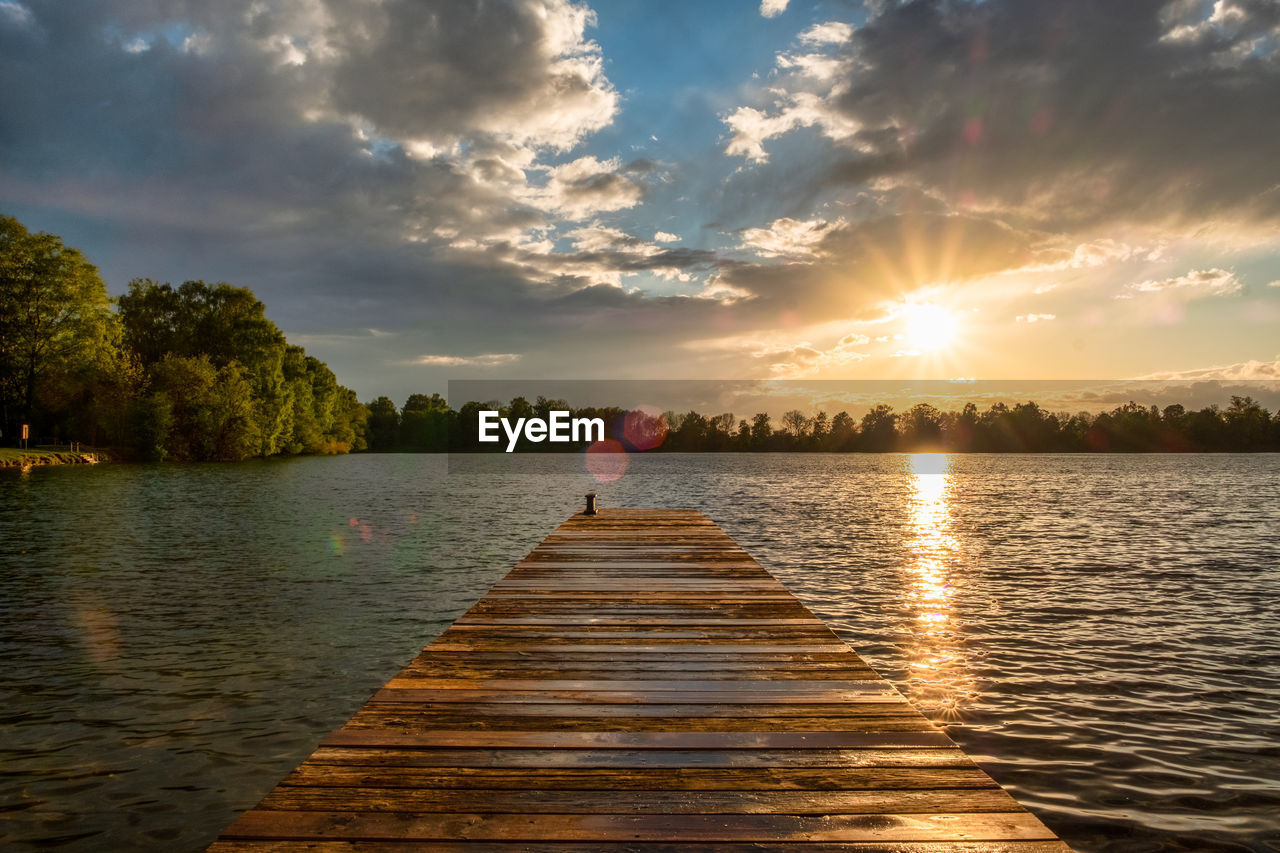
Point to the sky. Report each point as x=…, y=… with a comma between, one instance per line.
x=432, y=191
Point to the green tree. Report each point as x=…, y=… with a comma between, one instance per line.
x=54, y=318
x=384, y=424
x=425, y=421
x=211, y=409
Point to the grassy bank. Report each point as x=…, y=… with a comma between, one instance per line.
x=13, y=457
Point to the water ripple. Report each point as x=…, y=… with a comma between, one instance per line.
x=1099, y=632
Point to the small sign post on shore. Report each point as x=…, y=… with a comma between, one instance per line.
x=26, y=433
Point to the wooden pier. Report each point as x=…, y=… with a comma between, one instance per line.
x=640, y=683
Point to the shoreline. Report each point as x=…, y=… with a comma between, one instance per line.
x=12, y=457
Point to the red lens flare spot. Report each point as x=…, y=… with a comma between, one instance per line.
x=606, y=461
x=645, y=428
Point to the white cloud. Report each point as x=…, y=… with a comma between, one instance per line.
x=1035, y=318
x=668, y=237
x=1195, y=284
x=773, y=8
x=752, y=127
x=719, y=290
x=20, y=16
x=1094, y=253
x=832, y=32
x=1099, y=252
x=487, y=360
x=788, y=238
x=587, y=186
x=1243, y=370
x=600, y=238
x=789, y=360
x=819, y=66
x=1275, y=283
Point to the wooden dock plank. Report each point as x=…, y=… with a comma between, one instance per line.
x=638, y=683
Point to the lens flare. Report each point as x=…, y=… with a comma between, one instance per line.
x=606, y=461
x=644, y=427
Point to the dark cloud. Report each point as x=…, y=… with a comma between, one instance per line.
x=447, y=69
x=1069, y=114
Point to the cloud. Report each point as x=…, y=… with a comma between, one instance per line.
x=15, y=14
x=520, y=72
x=853, y=268
x=1035, y=318
x=831, y=32
x=369, y=124
x=1041, y=113
x=788, y=238
x=1193, y=285
x=1089, y=255
x=587, y=186
x=751, y=127
x=600, y=238
x=487, y=360
x=439, y=171
x=789, y=360
x=1241, y=371
x=773, y=8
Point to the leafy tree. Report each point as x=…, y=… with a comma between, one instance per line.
x=877, y=430
x=761, y=430
x=921, y=427
x=843, y=431
x=425, y=421
x=820, y=429
x=1247, y=424
x=55, y=319
x=692, y=434
x=211, y=409
x=150, y=424
x=384, y=424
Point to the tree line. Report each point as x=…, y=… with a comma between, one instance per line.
x=195, y=372
x=427, y=423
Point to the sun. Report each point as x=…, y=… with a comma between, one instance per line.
x=930, y=327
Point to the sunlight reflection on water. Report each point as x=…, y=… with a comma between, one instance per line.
x=939, y=678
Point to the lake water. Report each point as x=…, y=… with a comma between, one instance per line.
x=1101, y=633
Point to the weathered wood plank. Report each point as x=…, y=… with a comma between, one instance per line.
x=642, y=802
x=312, y=846
x=983, y=826
x=637, y=740
x=638, y=683
x=641, y=778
